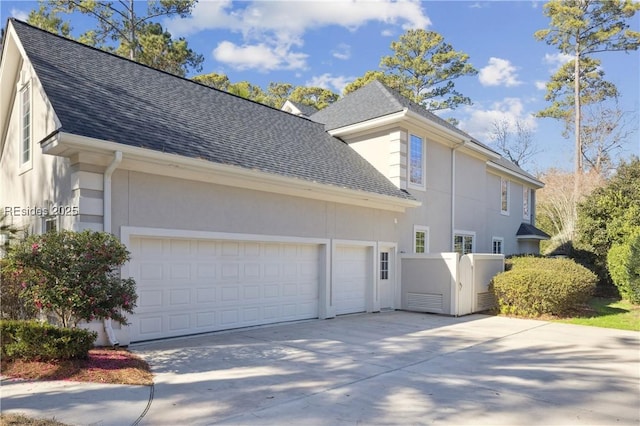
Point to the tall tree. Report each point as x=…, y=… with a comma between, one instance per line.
x=49, y=20
x=514, y=140
x=135, y=35
x=606, y=128
x=581, y=28
x=278, y=93
x=423, y=67
x=555, y=204
x=561, y=90
x=367, y=78
x=157, y=49
x=219, y=81
x=317, y=97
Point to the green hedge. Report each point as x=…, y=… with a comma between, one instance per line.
x=33, y=340
x=536, y=286
x=623, y=261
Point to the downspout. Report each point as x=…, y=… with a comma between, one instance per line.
x=106, y=214
x=453, y=190
x=453, y=221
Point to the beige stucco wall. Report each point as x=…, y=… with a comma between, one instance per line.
x=146, y=200
x=477, y=192
x=48, y=178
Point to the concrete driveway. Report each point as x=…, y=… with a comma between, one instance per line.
x=388, y=368
x=398, y=368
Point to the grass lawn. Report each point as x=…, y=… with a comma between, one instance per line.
x=607, y=313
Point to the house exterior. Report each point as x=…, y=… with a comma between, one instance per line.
x=235, y=213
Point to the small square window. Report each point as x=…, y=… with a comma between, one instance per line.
x=463, y=243
x=420, y=239
x=497, y=246
x=50, y=223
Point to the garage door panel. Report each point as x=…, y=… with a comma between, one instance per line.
x=205, y=295
x=351, y=279
x=195, y=286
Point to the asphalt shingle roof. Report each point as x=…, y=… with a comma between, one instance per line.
x=103, y=96
x=377, y=100
x=527, y=229
x=307, y=110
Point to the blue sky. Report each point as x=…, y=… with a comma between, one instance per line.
x=330, y=43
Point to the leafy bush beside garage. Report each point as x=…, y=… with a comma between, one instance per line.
x=33, y=340
x=536, y=286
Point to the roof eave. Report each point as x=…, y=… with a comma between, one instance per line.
x=532, y=237
x=155, y=162
x=512, y=173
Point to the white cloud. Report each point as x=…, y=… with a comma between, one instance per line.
x=541, y=85
x=259, y=56
x=260, y=16
x=499, y=72
x=556, y=60
x=387, y=33
x=343, y=52
x=277, y=26
x=328, y=81
x=479, y=122
x=19, y=14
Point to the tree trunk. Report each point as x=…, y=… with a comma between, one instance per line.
x=132, y=29
x=578, y=143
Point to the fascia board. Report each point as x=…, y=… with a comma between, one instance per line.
x=531, y=237
x=503, y=170
x=367, y=125
x=145, y=160
x=9, y=73
x=455, y=137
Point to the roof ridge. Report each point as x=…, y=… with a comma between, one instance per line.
x=389, y=93
x=149, y=67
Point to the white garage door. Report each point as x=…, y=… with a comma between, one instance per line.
x=195, y=286
x=351, y=278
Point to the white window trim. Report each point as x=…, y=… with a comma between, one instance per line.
x=497, y=239
x=45, y=219
x=505, y=212
x=425, y=229
x=463, y=233
x=25, y=84
x=526, y=198
x=410, y=184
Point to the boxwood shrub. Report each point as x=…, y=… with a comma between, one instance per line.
x=36, y=341
x=535, y=286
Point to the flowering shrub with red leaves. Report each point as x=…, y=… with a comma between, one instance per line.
x=75, y=276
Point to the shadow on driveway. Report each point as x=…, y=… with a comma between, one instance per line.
x=398, y=368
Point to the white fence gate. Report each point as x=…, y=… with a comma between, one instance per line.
x=447, y=284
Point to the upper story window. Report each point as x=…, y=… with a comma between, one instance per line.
x=504, y=196
x=420, y=239
x=416, y=161
x=25, y=125
x=526, y=204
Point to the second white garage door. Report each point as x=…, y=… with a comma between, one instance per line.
x=350, y=279
x=194, y=286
